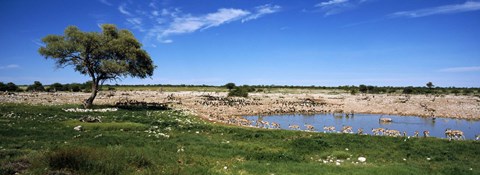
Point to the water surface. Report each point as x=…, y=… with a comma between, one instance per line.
x=409, y=124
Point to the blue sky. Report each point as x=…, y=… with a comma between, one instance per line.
x=284, y=42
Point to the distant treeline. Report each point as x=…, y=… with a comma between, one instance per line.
x=369, y=89
x=37, y=86
x=351, y=89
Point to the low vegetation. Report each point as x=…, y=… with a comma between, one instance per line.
x=42, y=140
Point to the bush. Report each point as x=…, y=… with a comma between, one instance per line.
x=353, y=91
x=408, y=90
x=238, y=92
x=36, y=86
x=230, y=86
x=455, y=91
x=75, y=87
x=11, y=87
x=73, y=159
x=362, y=88
x=56, y=87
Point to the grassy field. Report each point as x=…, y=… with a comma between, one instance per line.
x=41, y=140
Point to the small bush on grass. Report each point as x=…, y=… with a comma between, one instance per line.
x=70, y=158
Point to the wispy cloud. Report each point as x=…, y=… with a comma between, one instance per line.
x=333, y=7
x=136, y=23
x=163, y=23
x=38, y=42
x=330, y=3
x=105, y=2
x=188, y=23
x=446, y=9
x=123, y=10
x=261, y=11
x=462, y=69
x=10, y=66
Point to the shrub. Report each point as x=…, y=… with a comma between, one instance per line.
x=238, y=92
x=408, y=90
x=230, y=86
x=362, y=88
x=73, y=159
x=353, y=91
x=36, y=86
x=56, y=87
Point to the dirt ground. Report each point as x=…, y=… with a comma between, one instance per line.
x=217, y=107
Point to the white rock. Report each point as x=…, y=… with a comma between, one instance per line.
x=428, y=158
x=225, y=167
x=362, y=159
x=78, y=128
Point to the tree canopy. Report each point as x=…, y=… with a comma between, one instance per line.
x=108, y=55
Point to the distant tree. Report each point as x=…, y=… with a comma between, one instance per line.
x=371, y=89
x=430, y=85
x=86, y=86
x=108, y=55
x=75, y=87
x=56, y=87
x=408, y=90
x=36, y=86
x=12, y=87
x=455, y=91
x=362, y=88
x=353, y=91
x=467, y=91
x=3, y=87
x=230, y=86
x=238, y=92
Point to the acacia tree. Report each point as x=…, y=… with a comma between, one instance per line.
x=108, y=55
x=430, y=85
x=230, y=86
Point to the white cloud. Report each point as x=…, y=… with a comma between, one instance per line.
x=462, y=69
x=136, y=23
x=163, y=23
x=10, y=66
x=188, y=23
x=333, y=7
x=122, y=10
x=330, y=3
x=166, y=41
x=446, y=9
x=106, y=2
x=261, y=11
x=38, y=42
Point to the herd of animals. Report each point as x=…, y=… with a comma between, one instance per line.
x=449, y=133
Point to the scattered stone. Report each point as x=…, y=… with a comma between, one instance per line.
x=78, y=128
x=90, y=119
x=362, y=159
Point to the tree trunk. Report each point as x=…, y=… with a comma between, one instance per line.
x=88, y=103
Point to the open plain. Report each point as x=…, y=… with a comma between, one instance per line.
x=216, y=106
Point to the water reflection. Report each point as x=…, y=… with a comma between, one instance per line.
x=408, y=124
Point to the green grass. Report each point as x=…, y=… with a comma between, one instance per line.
x=41, y=140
